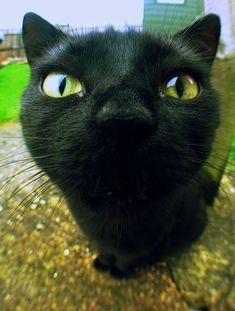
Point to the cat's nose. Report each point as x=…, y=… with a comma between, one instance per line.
x=127, y=129
x=125, y=125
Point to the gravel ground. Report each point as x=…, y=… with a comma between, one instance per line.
x=46, y=262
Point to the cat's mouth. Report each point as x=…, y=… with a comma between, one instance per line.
x=120, y=195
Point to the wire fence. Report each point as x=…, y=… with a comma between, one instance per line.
x=11, y=43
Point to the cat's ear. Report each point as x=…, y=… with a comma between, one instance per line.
x=203, y=35
x=38, y=35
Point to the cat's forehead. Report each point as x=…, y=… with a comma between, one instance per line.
x=119, y=44
x=109, y=45
x=112, y=48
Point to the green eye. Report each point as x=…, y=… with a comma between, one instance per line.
x=60, y=85
x=181, y=87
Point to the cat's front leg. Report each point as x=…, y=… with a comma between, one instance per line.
x=190, y=223
x=104, y=262
x=126, y=263
x=119, y=265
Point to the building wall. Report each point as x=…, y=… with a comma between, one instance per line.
x=171, y=17
x=12, y=46
x=226, y=10
x=232, y=10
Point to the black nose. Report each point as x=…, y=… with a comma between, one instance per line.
x=124, y=116
x=126, y=131
x=126, y=125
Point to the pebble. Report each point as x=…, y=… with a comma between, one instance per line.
x=40, y=226
x=34, y=206
x=232, y=189
x=66, y=252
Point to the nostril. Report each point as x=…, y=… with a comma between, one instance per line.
x=129, y=124
x=125, y=123
x=129, y=130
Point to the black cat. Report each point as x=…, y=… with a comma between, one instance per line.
x=130, y=119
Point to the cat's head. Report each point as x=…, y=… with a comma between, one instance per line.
x=130, y=113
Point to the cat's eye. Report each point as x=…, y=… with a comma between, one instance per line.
x=182, y=87
x=60, y=85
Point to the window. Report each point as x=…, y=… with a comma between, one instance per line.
x=171, y=1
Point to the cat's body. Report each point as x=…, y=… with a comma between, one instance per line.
x=126, y=153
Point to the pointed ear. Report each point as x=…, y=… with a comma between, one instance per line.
x=203, y=35
x=38, y=35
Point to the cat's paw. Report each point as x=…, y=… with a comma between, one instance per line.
x=104, y=264
x=121, y=274
x=99, y=265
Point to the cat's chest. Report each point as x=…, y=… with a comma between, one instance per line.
x=123, y=224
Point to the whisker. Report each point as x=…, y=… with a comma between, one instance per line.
x=59, y=203
x=28, y=180
x=30, y=159
x=24, y=200
x=29, y=137
x=27, y=169
x=20, y=153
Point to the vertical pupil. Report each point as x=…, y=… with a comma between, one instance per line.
x=179, y=87
x=62, y=85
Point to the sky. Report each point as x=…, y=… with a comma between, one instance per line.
x=76, y=13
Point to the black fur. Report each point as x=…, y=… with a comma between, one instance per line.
x=128, y=160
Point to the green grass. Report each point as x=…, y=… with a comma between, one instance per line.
x=232, y=153
x=13, y=80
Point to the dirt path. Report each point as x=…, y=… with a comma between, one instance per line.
x=46, y=262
